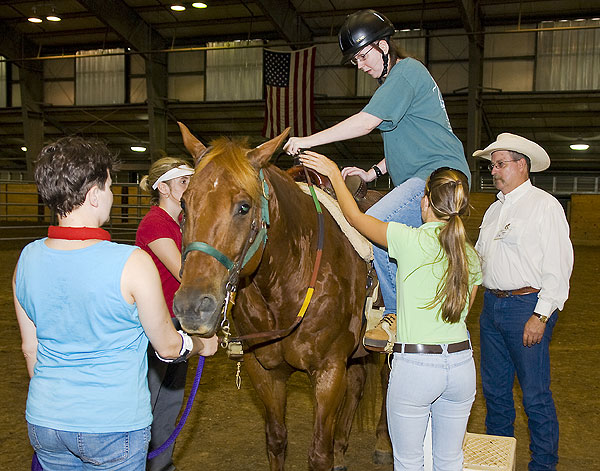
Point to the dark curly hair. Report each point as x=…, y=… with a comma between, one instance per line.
x=66, y=170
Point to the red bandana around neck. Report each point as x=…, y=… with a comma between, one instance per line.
x=77, y=233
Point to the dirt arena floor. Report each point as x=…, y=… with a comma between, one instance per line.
x=225, y=428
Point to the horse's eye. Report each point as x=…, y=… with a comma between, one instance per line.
x=182, y=204
x=244, y=208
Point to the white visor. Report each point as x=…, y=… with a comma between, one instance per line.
x=175, y=172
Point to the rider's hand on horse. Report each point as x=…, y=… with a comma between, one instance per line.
x=364, y=174
x=294, y=144
x=321, y=164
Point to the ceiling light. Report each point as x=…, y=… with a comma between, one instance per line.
x=177, y=7
x=24, y=149
x=199, y=5
x=138, y=148
x=579, y=146
x=34, y=18
x=53, y=17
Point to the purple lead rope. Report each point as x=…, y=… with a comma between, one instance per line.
x=186, y=412
x=36, y=466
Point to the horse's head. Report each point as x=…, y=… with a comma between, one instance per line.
x=226, y=214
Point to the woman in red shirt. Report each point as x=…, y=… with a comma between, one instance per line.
x=159, y=234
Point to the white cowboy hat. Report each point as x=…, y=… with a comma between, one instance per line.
x=506, y=141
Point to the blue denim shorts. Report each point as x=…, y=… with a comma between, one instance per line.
x=58, y=450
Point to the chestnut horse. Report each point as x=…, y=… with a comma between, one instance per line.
x=236, y=200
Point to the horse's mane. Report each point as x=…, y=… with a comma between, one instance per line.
x=231, y=155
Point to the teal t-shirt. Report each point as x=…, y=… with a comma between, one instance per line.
x=417, y=135
x=91, y=369
x=421, y=266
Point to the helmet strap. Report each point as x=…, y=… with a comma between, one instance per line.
x=386, y=59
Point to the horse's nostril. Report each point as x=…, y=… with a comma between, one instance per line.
x=207, y=303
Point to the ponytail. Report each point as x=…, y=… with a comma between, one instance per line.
x=448, y=193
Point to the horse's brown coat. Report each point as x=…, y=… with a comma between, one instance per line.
x=271, y=292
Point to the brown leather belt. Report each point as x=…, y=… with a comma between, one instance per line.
x=421, y=348
x=513, y=292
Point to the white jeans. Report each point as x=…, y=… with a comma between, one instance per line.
x=420, y=384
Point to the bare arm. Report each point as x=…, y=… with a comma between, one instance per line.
x=29, y=340
x=473, y=294
x=167, y=252
x=359, y=124
x=140, y=283
x=372, y=228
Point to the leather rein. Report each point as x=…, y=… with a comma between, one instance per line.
x=256, y=239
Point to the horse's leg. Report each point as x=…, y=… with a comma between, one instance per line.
x=330, y=386
x=356, y=377
x=270, y=386
x=383, y=446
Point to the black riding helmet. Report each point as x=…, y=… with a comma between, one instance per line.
x=361, y=29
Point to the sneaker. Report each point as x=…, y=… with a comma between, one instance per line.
x=381, y=338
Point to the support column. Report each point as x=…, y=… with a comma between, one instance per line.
x=474, y=108
x=32, y=96
x=157, y=92
x=471, y=18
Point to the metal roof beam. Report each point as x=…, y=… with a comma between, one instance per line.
x=124, y=21
x=284, y=17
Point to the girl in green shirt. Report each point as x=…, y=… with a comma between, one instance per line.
x=433, y=371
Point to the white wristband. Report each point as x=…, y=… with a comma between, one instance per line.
x=187, y=345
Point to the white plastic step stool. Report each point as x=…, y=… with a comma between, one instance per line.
x=489, y=452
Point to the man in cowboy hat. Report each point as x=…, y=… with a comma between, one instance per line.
x=527, y=259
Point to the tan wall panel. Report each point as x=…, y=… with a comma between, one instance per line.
x=19, y=201
x=129, y=204
x=585, y=219
x=480, y=202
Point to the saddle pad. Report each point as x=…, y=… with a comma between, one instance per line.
x=363, y=247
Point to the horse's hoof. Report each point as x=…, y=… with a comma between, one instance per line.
x=340, y=468
x=383, y=457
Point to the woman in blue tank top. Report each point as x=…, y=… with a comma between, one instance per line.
x=86, y=309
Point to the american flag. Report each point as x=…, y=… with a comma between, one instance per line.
x=289, y=78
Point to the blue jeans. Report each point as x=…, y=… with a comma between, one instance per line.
x=442, y=385
x=402, y=204
x=58, y=450
x=501, y=325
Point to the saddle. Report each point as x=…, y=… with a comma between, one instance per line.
x=357, y=186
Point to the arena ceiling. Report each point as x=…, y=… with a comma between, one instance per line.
x=553, y=119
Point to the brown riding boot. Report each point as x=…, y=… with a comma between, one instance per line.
x=381, y=338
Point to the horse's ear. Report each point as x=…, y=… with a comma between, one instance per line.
x=260, y=156
x=191, y=143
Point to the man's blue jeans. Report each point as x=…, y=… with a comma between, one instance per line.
x=402, y=204
x=501, y=325
x=58, y=450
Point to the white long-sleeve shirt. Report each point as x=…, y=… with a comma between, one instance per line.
x=524, y=241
